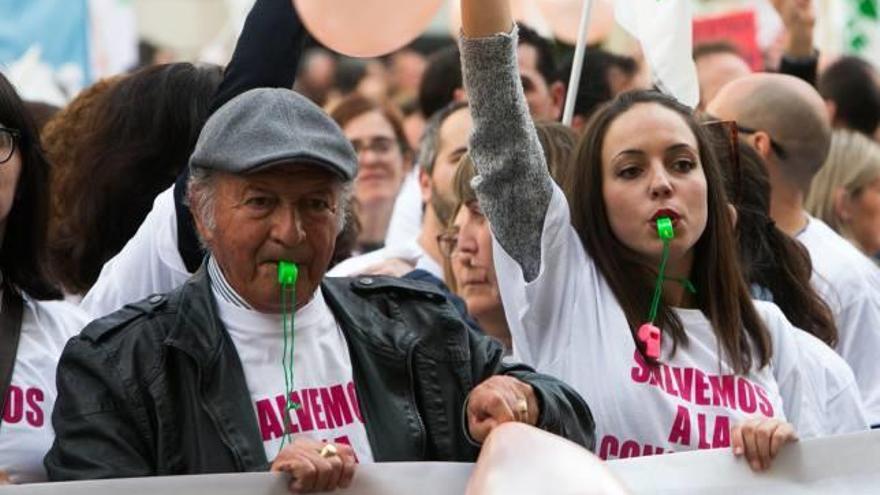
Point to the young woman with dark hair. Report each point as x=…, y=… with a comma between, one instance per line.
x=34, y=328
x=117, y=155
x=778, y=269
x=714, y=369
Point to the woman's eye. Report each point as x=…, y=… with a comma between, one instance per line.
x=683, y=165
x=630, y=172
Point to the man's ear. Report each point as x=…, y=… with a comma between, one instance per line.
x=459, y=95
x=734, y=215
x=557, y=96
x=425, y=185
x=760, y=141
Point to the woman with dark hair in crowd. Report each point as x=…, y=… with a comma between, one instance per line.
x=34, y=328
x=384, y=159
x=778, y=269
x=659, y=334
x=116, y=157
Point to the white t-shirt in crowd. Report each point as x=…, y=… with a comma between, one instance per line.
x=26, y=432
x=839, y=401
x=567, y=323
x=148, y=264
x=323, y=382
x=410, y=252
x=850, y=283
x=406, y=218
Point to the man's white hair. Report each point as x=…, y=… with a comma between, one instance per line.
x=201, y=196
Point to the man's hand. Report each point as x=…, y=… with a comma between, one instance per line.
x=498, y=400
x=311, y=471
x=759, y=440
x=799, y=19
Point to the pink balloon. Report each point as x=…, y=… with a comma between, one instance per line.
x=564, y=17
x=366, y=28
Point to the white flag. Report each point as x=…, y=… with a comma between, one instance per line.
x=664, y=29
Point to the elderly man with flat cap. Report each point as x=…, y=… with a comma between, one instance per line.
x=222, y=375
x=784, y=119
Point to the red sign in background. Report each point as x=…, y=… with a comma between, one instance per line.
x=740, y=28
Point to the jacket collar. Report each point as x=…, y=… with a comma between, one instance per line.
x=197, y=330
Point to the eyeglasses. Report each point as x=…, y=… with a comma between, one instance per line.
x=8, y=137
x=776, y=147
x=379, y=145
x=448, y=241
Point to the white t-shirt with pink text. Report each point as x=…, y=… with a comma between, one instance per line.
x=323, y=384
x=26, y=431
x=568, y=323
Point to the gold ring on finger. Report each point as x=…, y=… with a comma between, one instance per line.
x=328, y=451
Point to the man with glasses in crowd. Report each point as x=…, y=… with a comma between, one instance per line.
x=784, y=119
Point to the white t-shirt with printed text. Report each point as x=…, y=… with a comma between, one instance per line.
x=323, y=383
x=849, y=283
x=568, y=323
x=26, y=432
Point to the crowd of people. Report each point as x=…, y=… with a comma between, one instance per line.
x=301, y=263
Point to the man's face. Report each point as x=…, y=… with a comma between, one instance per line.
x=539, y=93
x=717, y=69
x=454, y=134
x=285, y=213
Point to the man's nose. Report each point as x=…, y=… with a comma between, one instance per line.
x=288, y=228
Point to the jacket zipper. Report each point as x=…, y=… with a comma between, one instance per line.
x=413, y=403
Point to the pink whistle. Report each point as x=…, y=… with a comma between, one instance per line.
x=650, y=336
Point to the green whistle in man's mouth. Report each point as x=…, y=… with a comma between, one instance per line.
x=287, y=273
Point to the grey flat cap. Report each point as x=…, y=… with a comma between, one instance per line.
x=268, y=126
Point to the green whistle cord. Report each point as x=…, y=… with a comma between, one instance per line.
x=666, y=234
x=287, y=275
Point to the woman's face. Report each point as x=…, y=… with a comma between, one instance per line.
x=862, y=216
x=381, y=165
x=651, y=168
x=9, y=173
x=472, y=263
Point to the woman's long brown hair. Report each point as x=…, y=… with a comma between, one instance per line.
x=722, y=294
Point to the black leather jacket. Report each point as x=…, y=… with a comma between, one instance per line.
x=157, y=388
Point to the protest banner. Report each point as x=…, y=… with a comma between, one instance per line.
x=840, y=464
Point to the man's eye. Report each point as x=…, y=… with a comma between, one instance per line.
x=259, y=202
x=316, y=204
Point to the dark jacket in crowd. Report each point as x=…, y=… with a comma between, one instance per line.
x=157, y=388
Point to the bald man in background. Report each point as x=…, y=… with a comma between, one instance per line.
x=785, y=121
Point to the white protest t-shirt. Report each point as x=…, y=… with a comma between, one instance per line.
x=406, y=218
x=567, y=323
x=840, y=405
x=26, y=431
x=148, y=264
x=323, y=383
x=410, y=252
x=850, y=283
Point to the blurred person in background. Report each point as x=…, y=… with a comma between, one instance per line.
x=116, y=157
x=384, y=158
x=605, y=76
x=851, y=89
x=34, y=327
x=317, y=75
x=846, y=193
x=545, y=91
x=718, y=63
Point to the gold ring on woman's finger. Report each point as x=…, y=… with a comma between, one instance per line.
x=523, y=407
x=328, y=450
